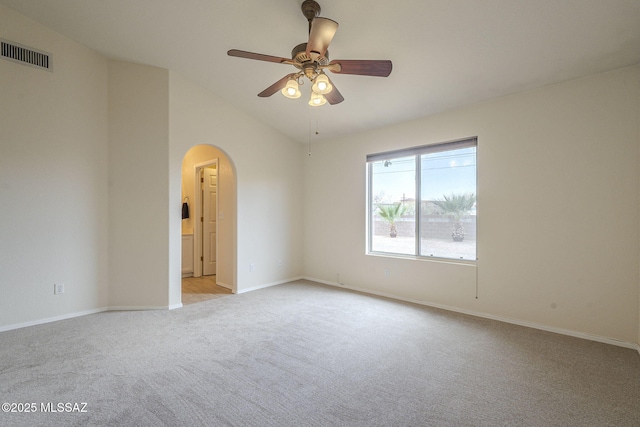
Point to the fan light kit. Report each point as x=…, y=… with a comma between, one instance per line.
x=312, y=59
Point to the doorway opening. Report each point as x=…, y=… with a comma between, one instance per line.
x=209, y=231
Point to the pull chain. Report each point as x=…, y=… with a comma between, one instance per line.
x=317, y=131
x=309, y=145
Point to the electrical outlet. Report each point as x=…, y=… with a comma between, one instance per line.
x=387, y=272
x=58, y=288
x=252, y=268
x=279, y=263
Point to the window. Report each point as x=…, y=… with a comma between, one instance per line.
x=422, y=201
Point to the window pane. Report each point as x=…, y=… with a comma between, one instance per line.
x=448, y=207
x=392, y=205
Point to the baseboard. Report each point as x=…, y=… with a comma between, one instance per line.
x=85, y=313
x=532, y=325
x=518, y=322
x=52, y=319
x=142, y=307
x=128, y=308
x=267, y=285
x=224, y=285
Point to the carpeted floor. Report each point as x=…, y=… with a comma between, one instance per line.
x=303, y=354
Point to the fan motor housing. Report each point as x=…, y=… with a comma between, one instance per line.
x=299, y=55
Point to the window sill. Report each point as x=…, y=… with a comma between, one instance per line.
x=424, y=258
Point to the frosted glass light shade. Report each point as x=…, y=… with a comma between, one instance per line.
x=291, y=89
x=321, y=84
x=317, y=100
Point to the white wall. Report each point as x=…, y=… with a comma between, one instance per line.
x=269, y=184
x=53, y=178
x=138, y=179
x=558, y=200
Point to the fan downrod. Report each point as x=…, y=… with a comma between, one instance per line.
x=310, y=10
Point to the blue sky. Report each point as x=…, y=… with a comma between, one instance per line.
x=442, y=173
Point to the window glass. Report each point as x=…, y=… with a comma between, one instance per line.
x=427, y=191
x=393, y=205
x=448, y=197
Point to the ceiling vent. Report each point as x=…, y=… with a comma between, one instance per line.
x=25, y=55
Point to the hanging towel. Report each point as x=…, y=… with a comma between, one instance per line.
x=185, y=210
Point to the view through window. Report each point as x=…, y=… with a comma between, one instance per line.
x=422, y=201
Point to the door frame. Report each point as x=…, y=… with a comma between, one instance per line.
x=197, y=226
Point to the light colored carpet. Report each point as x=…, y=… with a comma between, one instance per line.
x=302, y=354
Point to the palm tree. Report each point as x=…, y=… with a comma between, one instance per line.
x=457, y=206
x=391, y=213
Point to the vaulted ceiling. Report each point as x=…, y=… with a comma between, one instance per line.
x=445, y=53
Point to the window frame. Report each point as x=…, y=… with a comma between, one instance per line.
x=417, y=152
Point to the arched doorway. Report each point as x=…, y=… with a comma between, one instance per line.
x=199, y=245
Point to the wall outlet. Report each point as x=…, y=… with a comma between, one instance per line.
x=252, y=268
x=279, y=263
x=58, y=288
x=387, y=272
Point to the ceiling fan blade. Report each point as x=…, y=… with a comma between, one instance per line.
x=279, y=85
x=320, y=35
x=381, y=68
x=334, y=97
x=258, y=56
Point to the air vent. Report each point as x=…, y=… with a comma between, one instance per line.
x=25, y=55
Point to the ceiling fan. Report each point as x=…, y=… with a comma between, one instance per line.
x=312, y=59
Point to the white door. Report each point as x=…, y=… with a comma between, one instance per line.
x=209, y=214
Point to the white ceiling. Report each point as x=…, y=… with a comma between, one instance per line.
x=445, y=53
